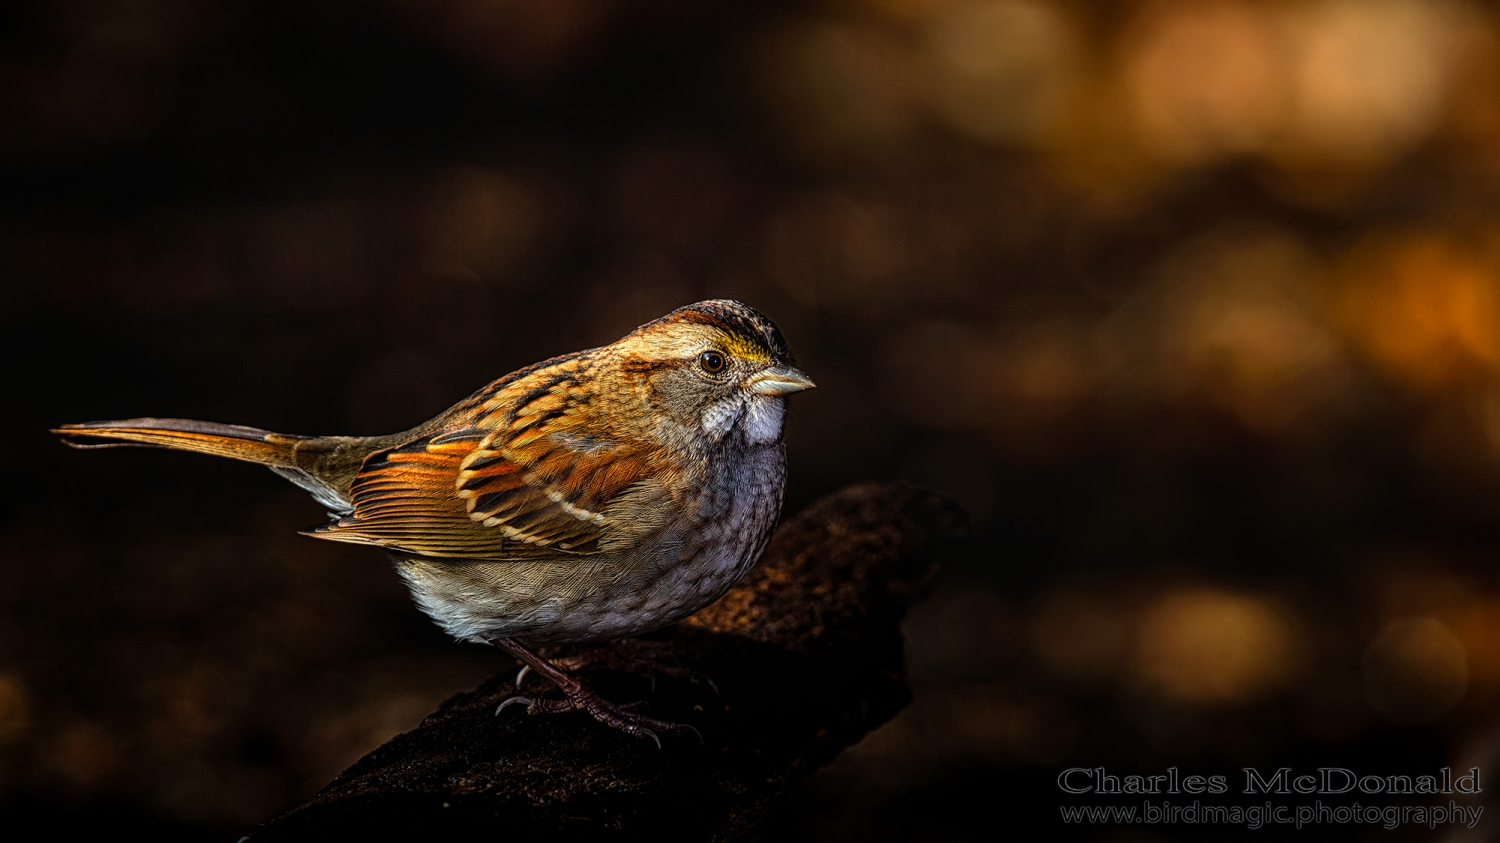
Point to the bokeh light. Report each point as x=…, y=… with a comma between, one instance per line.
x=1426, y=307
x=1206, y=80
x=1210, y=646
x=1002, y=70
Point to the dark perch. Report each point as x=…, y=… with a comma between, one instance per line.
x=806, y=655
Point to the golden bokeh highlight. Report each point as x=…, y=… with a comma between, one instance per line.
x=1205, y=80
x=1330, y=90
x=1206, y=646
x=1416, y=670
x=1368, y=77
x=1425, y=308
x=1347, y=84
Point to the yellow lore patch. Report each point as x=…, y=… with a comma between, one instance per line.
x=745, y=349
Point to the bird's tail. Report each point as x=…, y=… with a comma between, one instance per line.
x=237, y=442
x=320, y=464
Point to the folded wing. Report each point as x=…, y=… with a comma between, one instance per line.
x=527, y=480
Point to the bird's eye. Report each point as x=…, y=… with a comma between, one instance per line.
x=712, y=362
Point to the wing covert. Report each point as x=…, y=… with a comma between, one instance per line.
x=542, y=484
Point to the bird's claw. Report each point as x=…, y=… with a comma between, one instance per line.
x=516, y=700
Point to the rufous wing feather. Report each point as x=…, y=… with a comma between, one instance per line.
x=532, y=478
x=404, y=499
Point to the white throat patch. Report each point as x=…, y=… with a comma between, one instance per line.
x=763, y=419
x=760, y=415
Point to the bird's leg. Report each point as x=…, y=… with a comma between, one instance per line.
x=580, y=697
x=634, y=659
x=544, y=652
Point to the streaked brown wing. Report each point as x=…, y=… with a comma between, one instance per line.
x=404, y=499
x=543, y=475
x=530, y=476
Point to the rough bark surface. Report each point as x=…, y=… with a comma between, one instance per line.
x=805, y=654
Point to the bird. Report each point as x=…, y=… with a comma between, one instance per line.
x=592, y=496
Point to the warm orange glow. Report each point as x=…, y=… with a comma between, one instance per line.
x=1477, y=626
x=1203, y=645
x=1206, y=80
x=1369, y=77
x=1424, y=308
x=1341, y=84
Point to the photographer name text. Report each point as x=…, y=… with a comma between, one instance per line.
x=1324, y=781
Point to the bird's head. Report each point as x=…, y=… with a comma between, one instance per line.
x=716, y=366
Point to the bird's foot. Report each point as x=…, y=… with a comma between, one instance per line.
x=620, y=716
x=579, y=697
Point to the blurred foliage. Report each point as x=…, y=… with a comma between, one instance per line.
x=1194, y=305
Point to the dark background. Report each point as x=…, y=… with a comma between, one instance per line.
x=1194, y=306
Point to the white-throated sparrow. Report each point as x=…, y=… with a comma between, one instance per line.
x=592, y=496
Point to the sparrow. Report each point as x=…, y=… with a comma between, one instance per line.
x=597, y=495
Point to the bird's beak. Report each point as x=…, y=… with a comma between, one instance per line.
x=779, y=380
